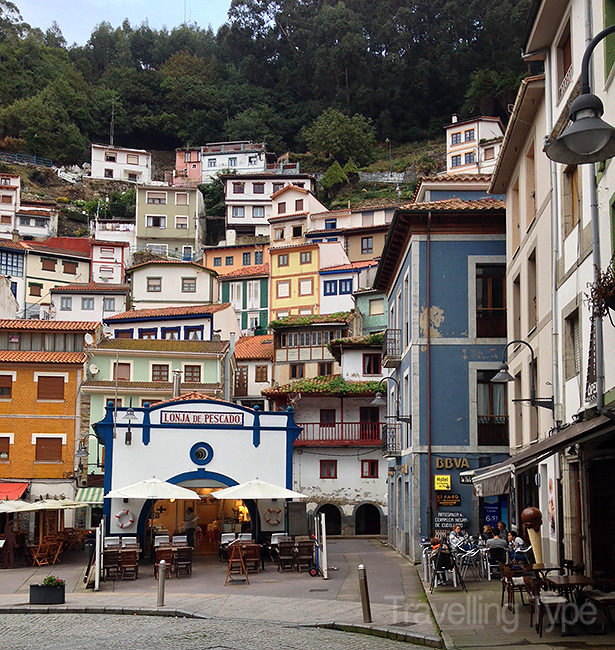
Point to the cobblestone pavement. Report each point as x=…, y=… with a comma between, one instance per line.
x=92, y=632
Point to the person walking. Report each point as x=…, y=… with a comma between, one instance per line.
x=190, y=525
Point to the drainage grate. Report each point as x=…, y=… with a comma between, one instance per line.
x=319, y=590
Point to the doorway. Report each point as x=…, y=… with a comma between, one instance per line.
x=367, y=520
x=333, y=519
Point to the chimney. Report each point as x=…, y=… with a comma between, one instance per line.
x=15, y=235
x=177, y=380
x=454, y=118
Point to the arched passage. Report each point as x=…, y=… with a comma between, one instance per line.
x=333, y=519
x=367, y=520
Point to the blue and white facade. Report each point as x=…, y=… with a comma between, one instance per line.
x=450, y=256
x=196, y=443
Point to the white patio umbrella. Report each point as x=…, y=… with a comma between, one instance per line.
x=152, y=488
x=257, y=489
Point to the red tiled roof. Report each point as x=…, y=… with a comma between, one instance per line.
x=92, y=287
x=101, y=242
x=448, y=178
x=163, y=345
x=247, y=271
x=9, y=243
x=50, y=250
x=34, y=213
x=290, y=215
x=353, y=265
x=169, y=311
x=192, y=396
x=337, y=231
x=289, y=187
x=168, y=263
x=332, y=213
x=254, y=347
x=456, y=205
x=23, y=356
x=50, y=325
x=77, y=244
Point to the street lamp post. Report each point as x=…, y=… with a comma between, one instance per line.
x=503, y=376
x=588, y=139
x=379, y=401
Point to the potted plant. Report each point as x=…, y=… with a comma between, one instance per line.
x=51, y=592
x=602, y=292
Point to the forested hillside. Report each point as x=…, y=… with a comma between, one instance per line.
x=267, y=73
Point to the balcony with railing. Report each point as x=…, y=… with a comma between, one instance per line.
x=493, y=430
x=391, y=440
x=340, y=434
x=391, y=349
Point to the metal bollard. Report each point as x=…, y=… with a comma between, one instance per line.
x=367, y=612
x=162, y=575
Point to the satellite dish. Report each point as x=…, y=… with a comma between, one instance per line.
x=89, y=339
x=94, y=369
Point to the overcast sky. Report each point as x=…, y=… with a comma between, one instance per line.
x=78, y=18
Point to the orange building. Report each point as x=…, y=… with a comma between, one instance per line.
x=41, y=371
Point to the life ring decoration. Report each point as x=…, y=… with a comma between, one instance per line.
x=124, y=519
x=273, y=516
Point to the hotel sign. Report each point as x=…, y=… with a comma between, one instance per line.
x=200, y=417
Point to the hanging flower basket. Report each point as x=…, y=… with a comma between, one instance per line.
x=602, y=292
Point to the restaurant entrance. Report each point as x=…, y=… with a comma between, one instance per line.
x=601, y=483
x=214, y=517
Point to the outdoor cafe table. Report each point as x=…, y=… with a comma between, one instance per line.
x=541, y=570
x=568, y=583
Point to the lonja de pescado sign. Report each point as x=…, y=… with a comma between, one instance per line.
x=192, y=417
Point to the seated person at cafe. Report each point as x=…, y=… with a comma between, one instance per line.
x=496, y=541
x=516, y=546
x=456, y=539
x=487, y=533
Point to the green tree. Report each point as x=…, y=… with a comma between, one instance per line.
x=341, y=137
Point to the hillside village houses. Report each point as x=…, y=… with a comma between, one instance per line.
x=433, y=298
x=111, y=162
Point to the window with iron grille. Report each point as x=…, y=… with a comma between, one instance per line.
x=328, y=469
x=160, y=372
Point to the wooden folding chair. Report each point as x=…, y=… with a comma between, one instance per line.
x=129, y=562
x=286, y=556
x=40, y=554
x=183, y=561
x=164, y=553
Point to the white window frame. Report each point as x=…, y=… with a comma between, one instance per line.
x=149, y=221
x=181, y=219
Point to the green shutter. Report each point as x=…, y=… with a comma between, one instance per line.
x=244, y=320
x=225, y=292
x=263, y=319
x=244, y=294
x=264, y=293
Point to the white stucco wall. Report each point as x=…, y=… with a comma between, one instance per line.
x=171, y=293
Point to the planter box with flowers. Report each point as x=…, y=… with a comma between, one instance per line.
x=51, y=592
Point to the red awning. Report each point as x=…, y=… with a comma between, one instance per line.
x=12, y=490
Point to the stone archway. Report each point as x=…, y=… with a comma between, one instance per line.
x=333, y=518
x=367, y=520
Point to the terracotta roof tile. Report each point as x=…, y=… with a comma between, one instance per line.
x=195, y=395
x=456, y=205
x=92, y=287
x=8, y=243
x=163, y=345
x=168, y=263
x=247, y=271
x=333, y=213
x=290, y=215
x=169, y=311
x=353, y=265
x=254, y=347
x=51, y=250
x=289, y=187
x=24, y=356
x=382, y=226
x=77, y=244
x=48, y=325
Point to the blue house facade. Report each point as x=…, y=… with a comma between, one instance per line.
x=443, y=272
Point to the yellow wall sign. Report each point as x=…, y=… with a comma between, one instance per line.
x=442, y=481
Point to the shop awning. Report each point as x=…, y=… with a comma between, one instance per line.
x=90, y=495
x=12, y=491
x=495, y=479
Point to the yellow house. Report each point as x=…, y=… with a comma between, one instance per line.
x=41, y=371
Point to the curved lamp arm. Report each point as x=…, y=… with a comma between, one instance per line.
x=504, y=376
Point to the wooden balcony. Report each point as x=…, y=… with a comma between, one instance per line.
x=341, y=434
